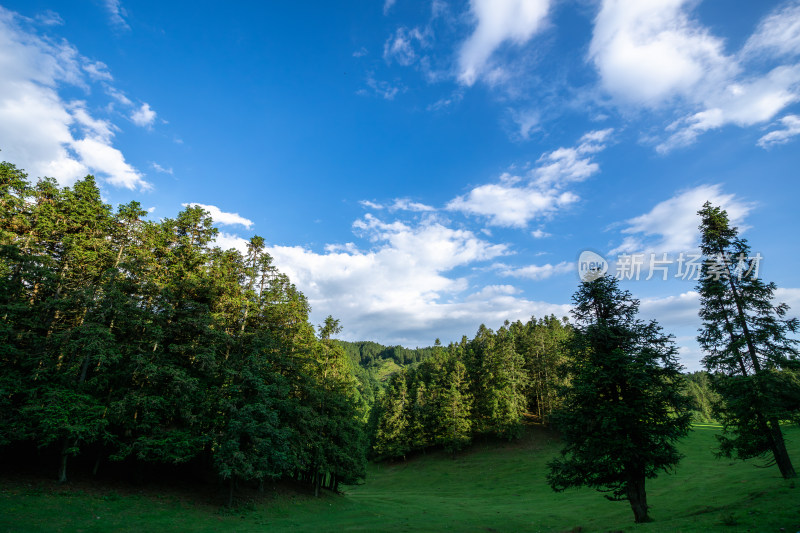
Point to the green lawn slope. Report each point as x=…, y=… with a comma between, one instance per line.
x=495, y=486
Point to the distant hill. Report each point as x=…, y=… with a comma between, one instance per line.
x=381, y=362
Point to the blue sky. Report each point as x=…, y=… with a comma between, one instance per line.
x=420, y=168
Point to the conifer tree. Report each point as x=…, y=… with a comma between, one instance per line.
x=623, y=410
x=753, y=360
x=391, y=437
x=454, y=409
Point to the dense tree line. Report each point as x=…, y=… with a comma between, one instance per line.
x=131, y=341
x=490, y=384
x=368, y=353
x=134, y=340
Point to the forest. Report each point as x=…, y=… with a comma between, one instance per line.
x=129, y=346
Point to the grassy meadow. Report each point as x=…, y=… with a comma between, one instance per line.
x=494, y=486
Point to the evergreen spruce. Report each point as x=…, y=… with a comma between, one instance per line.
x=623, y=410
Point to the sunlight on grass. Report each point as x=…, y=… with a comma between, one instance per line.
x=498, y=486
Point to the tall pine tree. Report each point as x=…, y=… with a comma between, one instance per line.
x=745, y=335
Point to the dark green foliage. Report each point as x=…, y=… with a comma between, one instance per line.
x=489, y=385
x=623, y=410
x=749, y=346
x=140, y=341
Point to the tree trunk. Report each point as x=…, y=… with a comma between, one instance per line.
x=638, y=498
x=62, y=470
x=779, y=450
x=774, y=428
x=230, y=492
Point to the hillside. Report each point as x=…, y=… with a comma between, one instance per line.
x=494, y=486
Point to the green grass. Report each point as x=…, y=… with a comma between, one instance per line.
x=492, y=487
x=386, y=369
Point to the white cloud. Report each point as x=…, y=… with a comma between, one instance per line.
x=159, y=168
x=678, y=315
x=655, y=55
x=370, y=205
x=119, y=96
x=540, y=234
x=778, y=33
x=96, y=153
x=672, y=225
x=226, y=241
x=790, y=297
x=648, y=52
x=404, y=204
x=492, y=291
x=405, y=289
x=497, y=22
x=97, y=71
x=144, y=116
x=675, y=311
x=221, y=217
x=538, y=272
x=102, y=130
x=387, y=5
x=400, y=46
x=399, y=204
x=566, y=165
x=527, y=122
x=507, y=205
x=744, y=104
x=381, y=88
x=38, y=130
x=50, y=18
x=117, y=14
x=515, y=201
x=790, y=128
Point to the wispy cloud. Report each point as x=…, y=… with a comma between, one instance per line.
x=778, y=34
x=159, y=168
x=381, y=88
x=117, y=14
x=790, y=127
x=514, y=201
x=497, y=22
x=537, y=272
x=401, y=46
x=404, y=204
x=49, y=17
